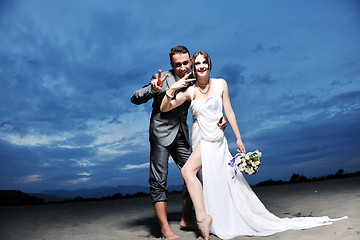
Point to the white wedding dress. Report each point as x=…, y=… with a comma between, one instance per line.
x=232, y=204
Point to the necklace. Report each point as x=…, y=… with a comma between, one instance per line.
x=203, y=85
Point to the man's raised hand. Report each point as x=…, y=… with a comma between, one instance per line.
x=157, y=84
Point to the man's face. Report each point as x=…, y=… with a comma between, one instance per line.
x=181, y=64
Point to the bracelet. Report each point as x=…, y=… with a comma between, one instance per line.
x=168, y=94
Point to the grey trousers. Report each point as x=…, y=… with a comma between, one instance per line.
x=180, y=151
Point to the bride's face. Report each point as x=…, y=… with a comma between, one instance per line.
x=201, y=66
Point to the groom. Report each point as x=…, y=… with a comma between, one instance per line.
x=168, y=135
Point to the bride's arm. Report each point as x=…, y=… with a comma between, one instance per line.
x=230, y=115
x=170, y=102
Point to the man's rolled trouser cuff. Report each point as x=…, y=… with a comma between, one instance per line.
x=158, y=196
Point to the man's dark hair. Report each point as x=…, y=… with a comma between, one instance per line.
x=177, y=50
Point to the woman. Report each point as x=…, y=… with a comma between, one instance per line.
x=224, y=206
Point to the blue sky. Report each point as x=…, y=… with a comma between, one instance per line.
x=68, y=69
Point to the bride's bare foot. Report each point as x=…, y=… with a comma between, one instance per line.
x=204, y=226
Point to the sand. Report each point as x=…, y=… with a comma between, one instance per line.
x=135, y=218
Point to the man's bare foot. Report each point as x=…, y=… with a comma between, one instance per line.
x=169, y=235
x=187, y=224
x=204, y=226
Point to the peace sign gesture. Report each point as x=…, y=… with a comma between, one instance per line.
x=183, y=82
x=157, y=84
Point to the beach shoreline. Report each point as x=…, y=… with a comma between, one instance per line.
x=134, y=218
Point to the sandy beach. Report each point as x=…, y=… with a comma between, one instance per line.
x=135, y=219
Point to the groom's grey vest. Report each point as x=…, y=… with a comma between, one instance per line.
x=163, y=126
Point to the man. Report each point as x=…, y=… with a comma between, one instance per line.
x=168, y=134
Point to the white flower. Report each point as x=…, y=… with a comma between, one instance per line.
x=258, y=153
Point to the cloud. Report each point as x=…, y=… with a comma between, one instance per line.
x=316, y=137
x=265, y=79
x=233, y=73
x=32, y=178
x=77, y=181
x=131, y=166
x=84, y=174
x=259, y=48
x=312, y=148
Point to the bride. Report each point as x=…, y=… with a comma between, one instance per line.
x=224, y=206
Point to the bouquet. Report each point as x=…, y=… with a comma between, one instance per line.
x=247, y=163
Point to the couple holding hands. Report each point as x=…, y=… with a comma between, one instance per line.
x=224, y=206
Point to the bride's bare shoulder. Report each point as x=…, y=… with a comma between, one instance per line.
x=219, y=80
x=222, y=81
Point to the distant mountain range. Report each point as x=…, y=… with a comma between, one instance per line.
x=60, y=194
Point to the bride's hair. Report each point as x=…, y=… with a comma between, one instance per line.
x=205, y=55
